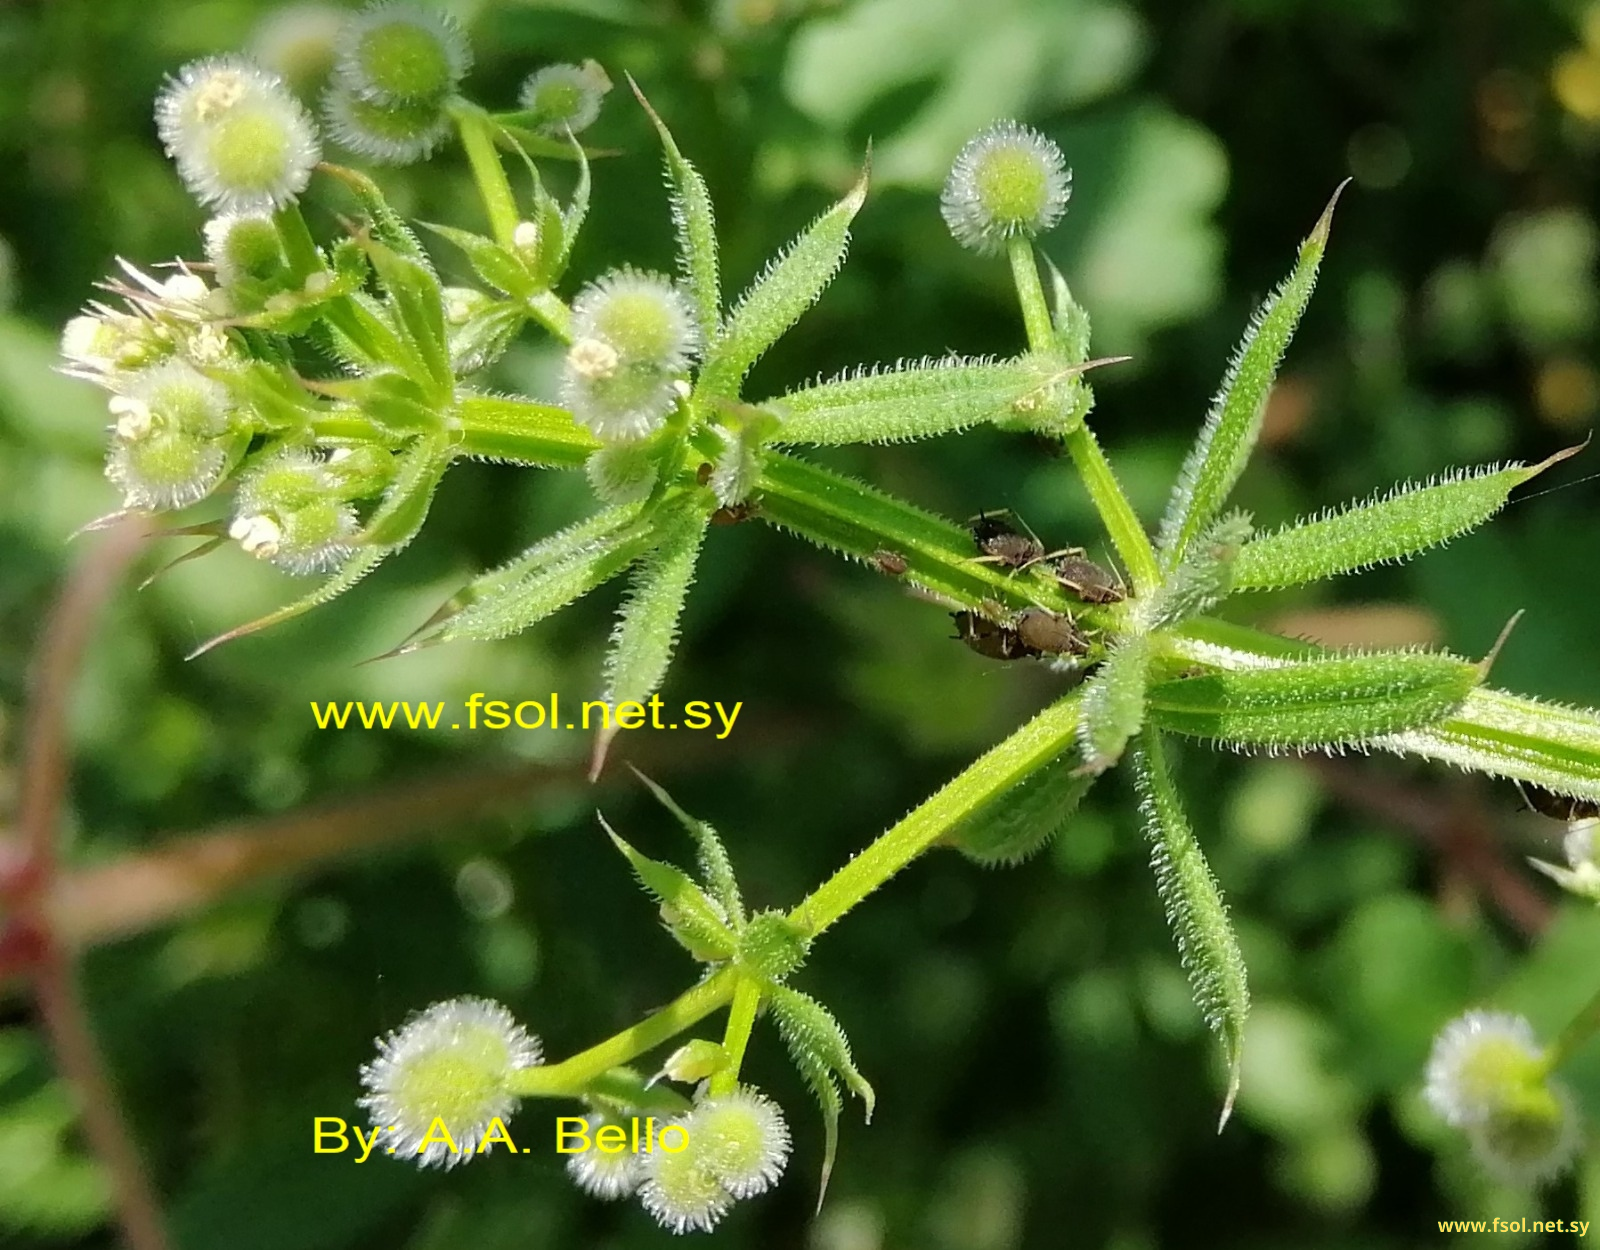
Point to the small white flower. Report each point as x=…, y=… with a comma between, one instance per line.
x=185, y=288
x=1008, y=182
x=565, y=97
x=603, y=1175
x=593, y=360
x=258, y=535
x=242, y=142
x=394, y=53
x=133, y=419
x=208, y=345
x=525, y=238
x=1480, y=1061
x=448, y=1068
x=679, y=1190
x=742, y=1139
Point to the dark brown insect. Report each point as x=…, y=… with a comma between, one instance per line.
x=1559, y=806
x=889, y=563
x=1002, y=544
x=990, y=638
x=1050, y=633
x=1086, y=579
x=702, y=475
x=734, y=513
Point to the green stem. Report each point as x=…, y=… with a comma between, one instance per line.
x=299, y=248
x=477, y=130
x=741, y=1021
x=1116, y=513
x=1584, y=1026
x=1038, y=743
x=572, y=1076
x=550, y=312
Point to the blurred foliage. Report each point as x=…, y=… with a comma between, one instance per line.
x=1042, y=1077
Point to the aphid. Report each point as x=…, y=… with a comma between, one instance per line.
x=1558, y=806
x=990, y=638
x=1086, y=579
x=734, y=513
x=1050, y=633
x=1001, y=544
x=889, y=563
x=702, y=475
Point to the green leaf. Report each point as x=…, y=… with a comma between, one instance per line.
x=691, y=917
x=543, y=580
x=776, y=300
x=1234, y=422
x=1068, y=317
x=821, y=1052
x=388, y=227
x=392, y=526
x=485, y=336
x=1342, y=700
x=1407, y=520
x=1206, y=576
x=696, y=225
x=1113, y=703
x=522, y=432
x=716, y=869
x=417, y=304
x=1195, y=910
x=647, y=628
x=1018, y=823
x=498, y=266
x=925, y=399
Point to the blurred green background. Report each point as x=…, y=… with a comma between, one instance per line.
x=1043, y=1079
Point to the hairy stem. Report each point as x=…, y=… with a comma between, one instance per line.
x=741, y=1020
x=494, y=188
x=571, y=1076
x=1116, y=513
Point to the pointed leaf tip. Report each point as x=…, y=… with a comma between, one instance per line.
x=1485, y=664
x=1235, y=1062
x=1320, y=232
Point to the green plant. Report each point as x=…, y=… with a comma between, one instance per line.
x=335, y=469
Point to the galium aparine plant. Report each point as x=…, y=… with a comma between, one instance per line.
x=214, y=412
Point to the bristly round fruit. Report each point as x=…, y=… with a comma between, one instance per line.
x=1007, y=182
x=742, y=1139
x=565, y=97
x=387, y=134
x=446, y=1074
x=241, y=141
x=395, y=53
x=633, y=335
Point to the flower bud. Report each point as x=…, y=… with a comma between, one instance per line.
x=394, y=54
x=633, y=334
x=742, y=1139
x=448, y=1068
x=1008, y=182
x=389, y=134
x=242, y=142
x=1581, y=876
x=565, y=97
x=695, y=1060
x=603, y=1175
x=244, y=246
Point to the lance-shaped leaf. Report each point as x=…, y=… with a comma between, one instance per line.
x=543, y=580
x=647, y=628
x=1113, y=703
x=716, y=869
x=416, y=304
x=522, y=432
x=388, y=227
x=498, y=266
x=392, y=526
x=484, y=337
x=821, y=1052
x=1067, y=316
x=691, y=917
x=1234, y=421
x=696, y=226
x=776, y=300
x=1206, y=576
x=1407, y=520
x=1018, y=823
x=1338, y=701
x=1195, y=910
x=927, y=398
